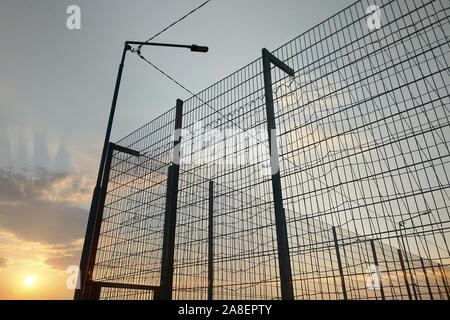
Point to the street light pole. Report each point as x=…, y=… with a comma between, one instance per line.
x=95, y=196
x=85, y=274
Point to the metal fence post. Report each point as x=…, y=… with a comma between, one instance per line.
x=375, y=260
x=94, y=291
x=404, y=274
x=87, y=291
x=441, y=270
x=287, y=291
x=413, y=285
x=437, y=282
x=170, y=219
x=341, y=271
x=165, y=291
x=426, y=278
x=210, y=241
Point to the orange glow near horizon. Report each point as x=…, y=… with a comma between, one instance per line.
x=42, y=285
x=27, y=273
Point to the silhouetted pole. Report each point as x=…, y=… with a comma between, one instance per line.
x=413, y=285
x=287, y=291
x=444, y=281
x=338, y=255
x=437, y=282
x=88, y=238
x=210, y=241
x=170, y=220
x=426, y=278
x=93, y=292
x=404, y=274
x=375, y=260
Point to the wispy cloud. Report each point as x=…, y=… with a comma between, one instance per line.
x=3, y=262
x=43, y=206
x=36, y=255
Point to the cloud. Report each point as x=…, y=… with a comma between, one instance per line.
x=65, y=255
x=43, y=206
x=62, y=261
x=33, y=255
x=44, y=222
x=39, y=184
x=48, y=262
x=3, y=262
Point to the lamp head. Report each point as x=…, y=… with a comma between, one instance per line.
x=197, y=48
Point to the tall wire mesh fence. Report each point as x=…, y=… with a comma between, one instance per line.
x=363, y=131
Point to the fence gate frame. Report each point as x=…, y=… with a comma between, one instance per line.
x=90, y=289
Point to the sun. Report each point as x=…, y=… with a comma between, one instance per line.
x=29, y=281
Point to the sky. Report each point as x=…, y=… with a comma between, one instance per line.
x=56, y=87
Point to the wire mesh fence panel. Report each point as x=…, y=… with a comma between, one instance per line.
x=363, y=130
x=363, y=154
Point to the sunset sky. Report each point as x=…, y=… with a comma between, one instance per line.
x=56, y=87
